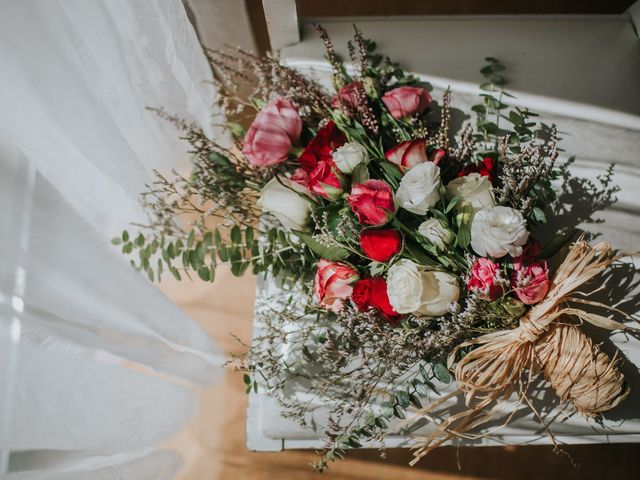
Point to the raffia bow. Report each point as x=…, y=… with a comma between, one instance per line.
x=548, y=340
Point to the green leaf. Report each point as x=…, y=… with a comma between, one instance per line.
x=246, y=379
x=360, y=173
x=248, y=235
x=328, y=253
x=539, y=215
x=399, y=412
x=236, y=129
x=194, y=261
x=125, y=236
x=387, y=409
x=236, y=235
x=442, y=373
x=515, y=118
x=204, y=273
x=421, y=389
x=403, y=399
x=116, y=241
x=414, y=251
x=175, y=273
x=219, y=159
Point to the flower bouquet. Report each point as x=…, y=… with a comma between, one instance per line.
x=404, y=253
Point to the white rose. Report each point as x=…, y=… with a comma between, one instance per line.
x=419, y=188
x=497, y=231
x=413, y=289
x=349, y=155
x=286, y=202
x=436, y=233
x=474, y=190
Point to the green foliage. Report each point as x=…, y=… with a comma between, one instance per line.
x=273, y=251
x=372, y=425
x=329, y=253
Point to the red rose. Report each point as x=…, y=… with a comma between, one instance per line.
x=372, y=202
x=408, y=154
x=406, y=101
x=484, y=279
x=372, y=292
x=320, y=147
x=347, y=96
x=529, y=253
x=531, y=282
x=332, y=284
x=380, y=245
x=276, y=127
x=317, y=170
x=486, y=168
x=325, y=179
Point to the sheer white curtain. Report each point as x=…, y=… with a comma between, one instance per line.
x=96, y=365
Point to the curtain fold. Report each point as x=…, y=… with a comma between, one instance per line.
x=96, y=365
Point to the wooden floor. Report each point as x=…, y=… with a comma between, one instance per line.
x=214, y=446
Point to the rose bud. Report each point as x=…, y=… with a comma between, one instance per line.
x=276, y=127
x=486, y=279
x=531, y=282
x=347, y=97
x=380, y=245
x=498, y=231
x=406, y=101
x=333, y=284
x=372, y=202
x=419, y=189
x=349, y=156
x=436, y=233
x=372, y=293
x=414, y=289
x=287, y=202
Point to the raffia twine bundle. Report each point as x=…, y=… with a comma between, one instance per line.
x=548, y=340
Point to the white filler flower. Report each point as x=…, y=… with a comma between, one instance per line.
x=436, y=233
x=498, y=231
x=474, y=190
x=286, y=202
x=349, y=156
x=419, y=189
x=413, y=289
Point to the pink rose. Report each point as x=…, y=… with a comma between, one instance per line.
x=276, y=127
x=347, y=96
x=408, y=154
x=531, y=282
x=485, y=279
x=406, y=101
x=333, y=284
x=372, y=202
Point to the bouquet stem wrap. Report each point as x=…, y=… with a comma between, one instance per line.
x=548, y=340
